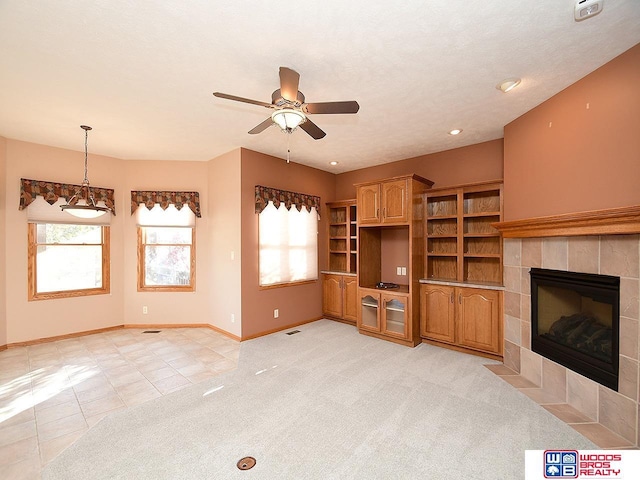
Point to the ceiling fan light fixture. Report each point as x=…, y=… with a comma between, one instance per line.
x=288, y=119
x=508, y=84
x=83, y=204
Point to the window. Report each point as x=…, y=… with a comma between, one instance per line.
x=166, y=249
x=288, y=245
x=67, y=260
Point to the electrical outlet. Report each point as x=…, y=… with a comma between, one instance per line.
x=145, y=310
x=398, y=270
x=276, y=313
x=404, y=271
x=233, y=318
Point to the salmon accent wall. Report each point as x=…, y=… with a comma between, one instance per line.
x=47, y=318
x=297, y=303
x=474, y=163
x=579, y=150
x=164, y=307
x=3, y=250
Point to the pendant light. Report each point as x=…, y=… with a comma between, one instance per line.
x=83, y=203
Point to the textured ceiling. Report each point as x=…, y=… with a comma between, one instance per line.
x=142, y=73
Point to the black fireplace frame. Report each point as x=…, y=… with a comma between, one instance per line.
x=603, y=288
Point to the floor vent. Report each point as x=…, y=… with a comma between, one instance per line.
x=151, y=331
x=294, y=331
x=246, y=463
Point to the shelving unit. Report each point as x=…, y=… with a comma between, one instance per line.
x=461, y=301
x=461, y=244
x=391, y=247
x=343, y=236
x=339, y=282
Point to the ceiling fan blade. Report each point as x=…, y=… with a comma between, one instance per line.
x=241, y=99
x=331, y=107
x=289, y=81
x=312, y=129
x=261, y=127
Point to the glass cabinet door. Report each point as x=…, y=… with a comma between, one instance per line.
x=395, y=316
x=369, y=313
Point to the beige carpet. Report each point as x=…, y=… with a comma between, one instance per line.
x=326, y=403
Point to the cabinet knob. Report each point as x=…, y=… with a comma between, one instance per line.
x=460, y=298
x=452, y=295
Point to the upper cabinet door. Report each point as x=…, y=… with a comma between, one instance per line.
x=395, y=202
x=369, y=204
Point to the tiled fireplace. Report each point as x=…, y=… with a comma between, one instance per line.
x=610, y=255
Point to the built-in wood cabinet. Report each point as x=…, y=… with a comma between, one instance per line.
x=387, y=201
x=391, y=250
x=461, y=243
x=339, y=282
x=340, y=297
x=385, y=313
x=437, y=313
x=369, y=204
x=462, y=317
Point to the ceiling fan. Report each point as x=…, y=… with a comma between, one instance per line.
x=290, y=109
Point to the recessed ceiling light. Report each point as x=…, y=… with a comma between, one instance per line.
x=508, y=84
x=455, y=131
x=333, y=163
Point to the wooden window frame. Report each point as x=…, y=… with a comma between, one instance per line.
x=166, y=288
x=32, y=249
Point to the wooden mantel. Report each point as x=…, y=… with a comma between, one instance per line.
x=612, y=221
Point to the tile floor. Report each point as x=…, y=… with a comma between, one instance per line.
x=52, y=393
x=594, y=431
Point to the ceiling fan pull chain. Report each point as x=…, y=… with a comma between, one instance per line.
x=288, y=149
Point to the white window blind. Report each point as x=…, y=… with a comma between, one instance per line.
x=171, y=217
x=288, y=245
x=39, y=211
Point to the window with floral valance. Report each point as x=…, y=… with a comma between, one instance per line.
x=52, y=191
x=287, y=237
x=264, y=195
x=164, y=199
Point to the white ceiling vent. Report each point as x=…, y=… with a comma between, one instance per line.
x=587, y=8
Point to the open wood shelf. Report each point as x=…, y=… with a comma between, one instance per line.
x=343, y=239
x=462, y=243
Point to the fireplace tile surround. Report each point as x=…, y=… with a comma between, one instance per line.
x=617, y=255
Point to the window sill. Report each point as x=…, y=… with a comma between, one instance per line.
x=69, y=294
x=287, y=284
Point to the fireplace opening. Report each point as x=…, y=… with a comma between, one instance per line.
x=575, y=321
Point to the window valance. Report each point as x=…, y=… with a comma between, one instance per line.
x=164, y=199
x=52, y=191
x=266, y=194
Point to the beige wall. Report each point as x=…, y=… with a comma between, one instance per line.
x=224, y=285
x=562, y=157
x=475, y=163
x=165, y=307
x=3, y=229
x=295, y=303
x=47, y=318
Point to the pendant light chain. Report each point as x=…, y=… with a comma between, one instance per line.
x=86, y=129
